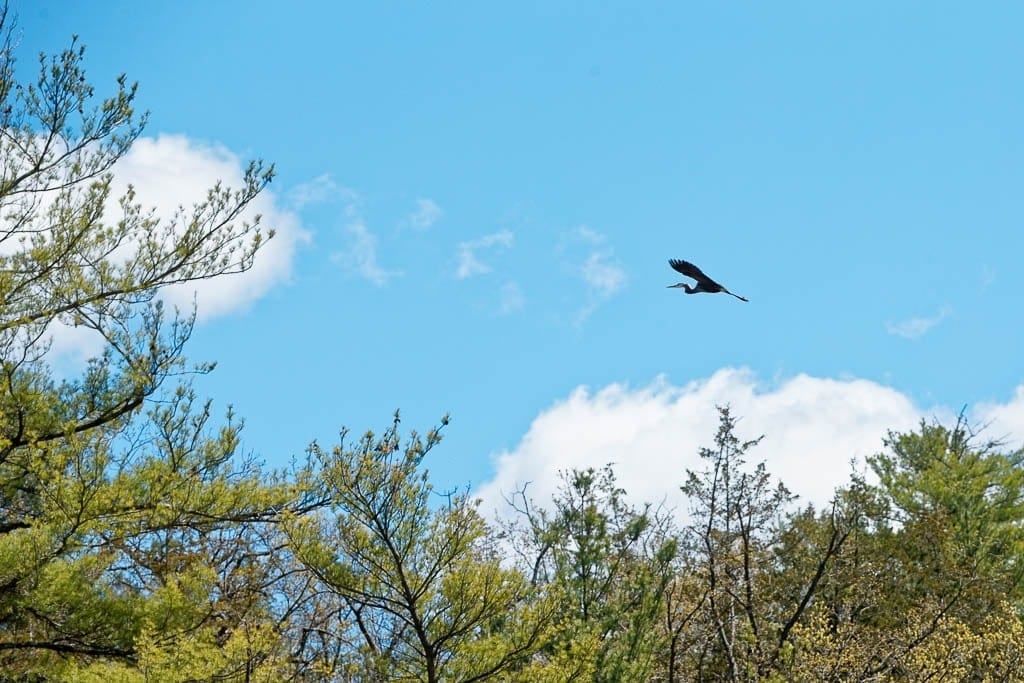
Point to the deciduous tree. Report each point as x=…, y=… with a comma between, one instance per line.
x=426, y=595
x=749, y=598
x=608, y=563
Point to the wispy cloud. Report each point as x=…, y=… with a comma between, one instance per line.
x=914, y=328
x=588, y=235
x=469, y=265
x=512, y=298
x=323, y=188
x=988, y=277
x=602, y=274
x=426, y=213
x=361, y=255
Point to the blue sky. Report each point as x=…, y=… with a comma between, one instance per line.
x=855, y=170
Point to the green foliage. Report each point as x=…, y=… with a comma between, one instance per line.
x=137, y=543
x=968, y=500
x=919, y=590
x=121, y=523
x=426, y=596
x=751, y=591
x=608, y=565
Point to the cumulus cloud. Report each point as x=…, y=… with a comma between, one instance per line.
x=171, y=170
x=512, y=298
x=71, y=346
x=167, y=172
x=813, y=426
x=914, y=328
x=1004, y=421
x=426, y=213
x=469, y=264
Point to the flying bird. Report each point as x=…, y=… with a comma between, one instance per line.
x=704, y=283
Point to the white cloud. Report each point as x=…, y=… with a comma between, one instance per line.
x=323, y=188
x=914, y=328
x=1004, y=420
x=588, y=235
x=167, y=172
x=361, y=255
x=469, y=265
x=600, y=272
x=172, y=170
x=72, y=346
x=813, y=427
x=511, y=298
x=603, y=276
x=427, y=213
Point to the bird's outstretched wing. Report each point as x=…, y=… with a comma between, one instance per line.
x=690, y=270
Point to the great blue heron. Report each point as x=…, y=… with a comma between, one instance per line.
x=704, y=283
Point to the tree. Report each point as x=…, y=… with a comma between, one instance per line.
x=750, y=597
x=608, y=563
x=425, y=594
x=128, y=526
x=928, y=583
x=968, y=496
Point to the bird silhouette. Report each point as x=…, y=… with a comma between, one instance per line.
x=704, y=283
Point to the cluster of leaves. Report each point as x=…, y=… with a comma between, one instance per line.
x=137, y=543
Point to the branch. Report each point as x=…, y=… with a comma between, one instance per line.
x=835, y=542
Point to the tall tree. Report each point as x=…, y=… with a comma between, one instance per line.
x=967, y=497
x=740, y=628
x=126, y=529
x=427, y=598
x=608, y=563
x=929, y=583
